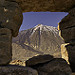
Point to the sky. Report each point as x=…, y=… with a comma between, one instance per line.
x=31, y=19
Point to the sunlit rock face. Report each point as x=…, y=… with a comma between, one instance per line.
x=41, y=40
x=45, y=5
x=68, y=53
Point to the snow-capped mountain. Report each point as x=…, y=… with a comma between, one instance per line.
x=41, y=39
x=45, y=28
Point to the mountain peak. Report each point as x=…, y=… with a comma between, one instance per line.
x=45, y=28
x=34, y=42
x=39, y=26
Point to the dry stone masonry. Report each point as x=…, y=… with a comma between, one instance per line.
x=5, y=46
x=49, y=66
x=67, y=32
x=17, y=70
x=10, y=22
x=45, y=5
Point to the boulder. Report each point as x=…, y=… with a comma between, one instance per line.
x=45, y=5
x=10, y=16
x=68, y=53
x=38, y=60
x=5, y=46
x=57, y=66
x=67, y=34
x=17, y=70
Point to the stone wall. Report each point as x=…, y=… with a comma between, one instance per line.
x=67, y=32
x=45, y=5
x=11, y=19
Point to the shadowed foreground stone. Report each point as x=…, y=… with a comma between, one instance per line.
x=57, y=66
x=67, y=34
x=5, y=46
x=47, y=65
x=38, y=59
x=16, y=70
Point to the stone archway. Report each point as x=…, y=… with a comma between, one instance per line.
x=11, y=19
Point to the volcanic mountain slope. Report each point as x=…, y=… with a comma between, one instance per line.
x=40, y=39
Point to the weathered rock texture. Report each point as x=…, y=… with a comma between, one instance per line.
x=38, y=60
x=10, y=21
x=10, y=16
x=67, y=26
x=45, y=5
x=56, y=66
x=17, y=70
x=67, y=29
x=68, y=34
x=68, y=21
x=5, y=46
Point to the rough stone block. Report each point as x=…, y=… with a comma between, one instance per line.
x=68, y=53
x=38, y=60
x=72, y=12
x=68, y=21
x=5, y=35
x=45, y=5
x=11, y=16
x=67, y=34
x=17, y=70
x=57, y=66
x=5, y=46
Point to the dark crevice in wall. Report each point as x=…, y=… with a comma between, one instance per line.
x=70, y=27
x=11, y=1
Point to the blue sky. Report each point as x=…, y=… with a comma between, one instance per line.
x=31, y=19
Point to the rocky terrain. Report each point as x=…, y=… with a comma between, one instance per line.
x=45, y=5
x=48, y=65
x=10, y=21
x=38, y=40
x=39, y=65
